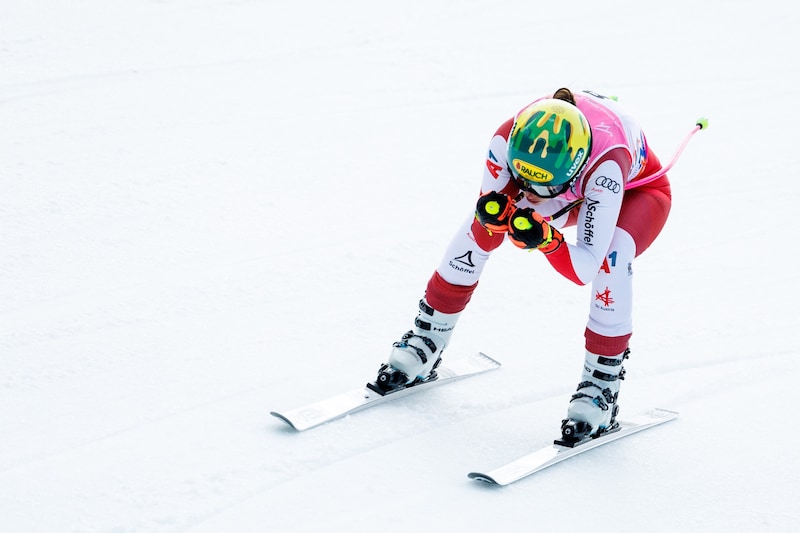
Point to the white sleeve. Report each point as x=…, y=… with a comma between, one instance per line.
x=597, y=219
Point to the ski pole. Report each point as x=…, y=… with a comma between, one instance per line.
x=702, y=123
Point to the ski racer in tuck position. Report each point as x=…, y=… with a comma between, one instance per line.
x=566, y=159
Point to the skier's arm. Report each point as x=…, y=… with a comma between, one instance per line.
x=597, y=218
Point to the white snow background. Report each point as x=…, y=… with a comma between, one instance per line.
x=213, y=209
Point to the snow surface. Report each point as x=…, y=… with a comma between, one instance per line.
x=212, y=209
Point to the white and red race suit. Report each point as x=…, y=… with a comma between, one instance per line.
x=614, y=224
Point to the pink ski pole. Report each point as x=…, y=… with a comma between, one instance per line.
x=701, y=123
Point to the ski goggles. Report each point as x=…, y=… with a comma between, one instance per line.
x=542, y=191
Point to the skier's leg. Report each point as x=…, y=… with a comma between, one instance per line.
x=449, y=289
x=593, y=407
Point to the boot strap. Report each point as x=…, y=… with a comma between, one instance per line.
x=403, y=343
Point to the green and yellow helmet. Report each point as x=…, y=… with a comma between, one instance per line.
x=548, y=146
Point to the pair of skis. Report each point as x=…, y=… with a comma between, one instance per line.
x=340, y=405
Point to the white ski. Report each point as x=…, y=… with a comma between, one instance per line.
x=340, y=405
x=550, y=455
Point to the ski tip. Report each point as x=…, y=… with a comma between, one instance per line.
x=490, y=361
x=477, y=476
x=285, y=419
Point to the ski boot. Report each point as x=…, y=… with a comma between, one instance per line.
x=593, y=409
x=416, y=355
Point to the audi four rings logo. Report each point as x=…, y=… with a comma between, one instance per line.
x=608, y=183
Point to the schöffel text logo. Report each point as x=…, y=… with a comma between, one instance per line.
x=588, y=221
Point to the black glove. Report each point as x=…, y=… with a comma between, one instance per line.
x=527, y=230
x=494, y=210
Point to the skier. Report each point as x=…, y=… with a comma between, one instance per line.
x=567, y=159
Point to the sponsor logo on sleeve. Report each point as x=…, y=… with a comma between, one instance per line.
x=588, y=221
x=463, y=263
x=493, y=166
x=607, y=183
